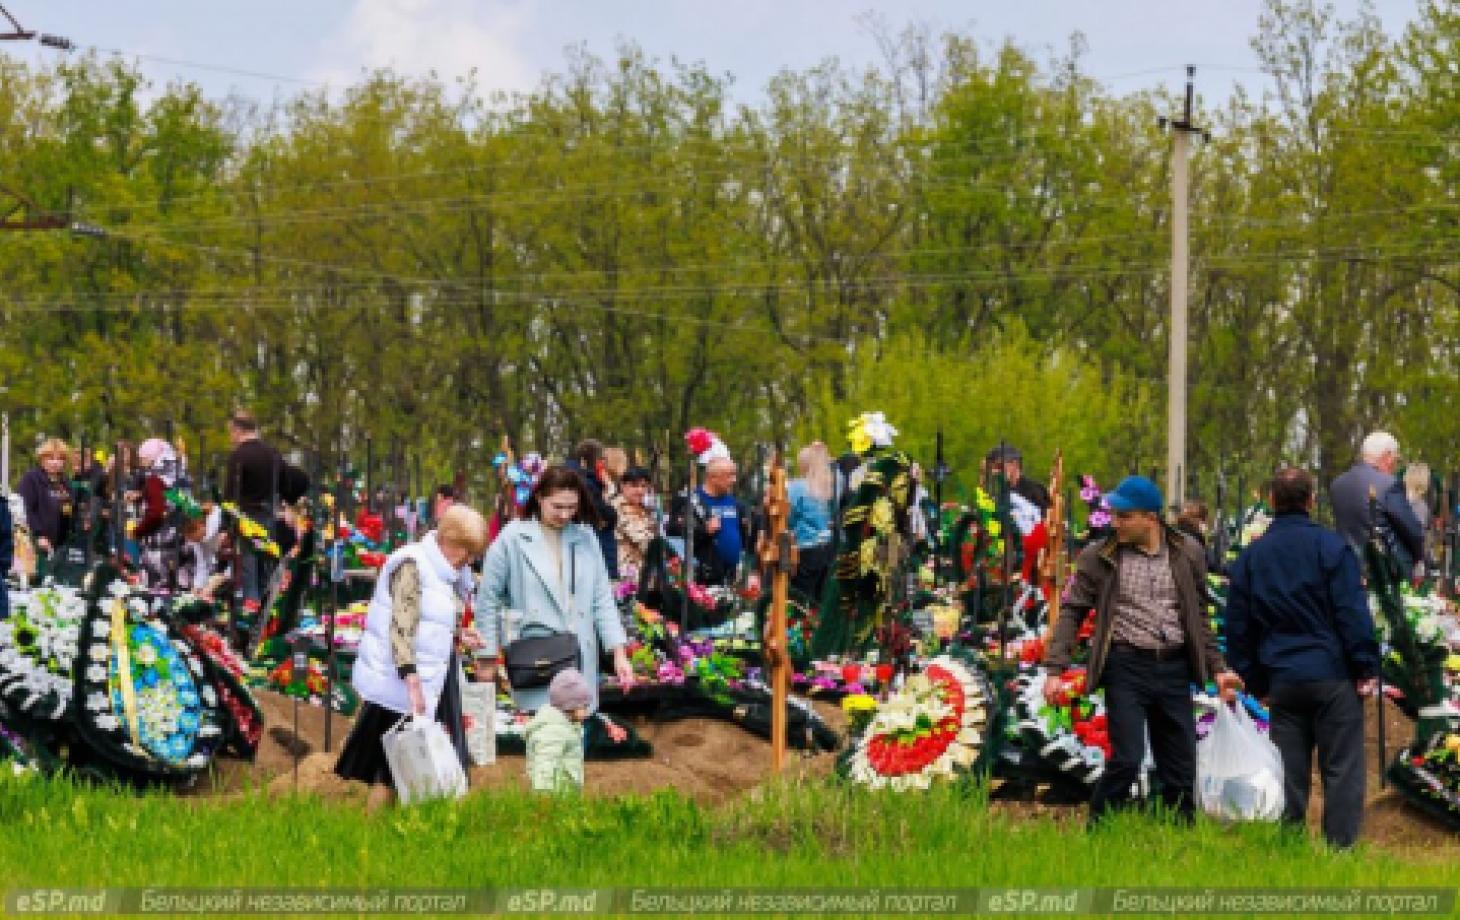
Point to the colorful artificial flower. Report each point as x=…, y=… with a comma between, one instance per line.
x=882, y=518
x=705, y=445
x=1071, y=735
x=870, y=430
x=39, y=648
x=699, y=440
x=867, y=558
x=1255, y=523
x=858, y=702
x=700, y=596
x=1098, y=509
x=932, y=730
x=946, y=618
x=252, y=530
x=648, y=615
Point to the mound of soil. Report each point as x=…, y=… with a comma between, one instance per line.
x=279, y=745
x=708, y=760
x=1388, y=819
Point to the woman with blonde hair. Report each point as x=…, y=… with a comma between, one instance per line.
x=407, y=660
x=49, y=501
x=615, y=465
x=1416, y=489
x=811, y=497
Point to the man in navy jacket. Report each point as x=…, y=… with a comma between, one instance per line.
x=1299, y=633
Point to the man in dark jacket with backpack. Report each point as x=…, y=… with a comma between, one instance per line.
x=1300, y=634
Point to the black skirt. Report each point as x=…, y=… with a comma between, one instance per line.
x=363, y=756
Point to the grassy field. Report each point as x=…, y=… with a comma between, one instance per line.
x=58, y=834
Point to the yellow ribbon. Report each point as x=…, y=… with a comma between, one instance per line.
x=124, y=667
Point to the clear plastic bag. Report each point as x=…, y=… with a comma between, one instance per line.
x=422, y=761
x=1239, y=772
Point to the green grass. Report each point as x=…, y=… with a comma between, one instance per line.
x=54, y=833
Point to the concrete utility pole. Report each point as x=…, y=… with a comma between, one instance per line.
x=1181, y=132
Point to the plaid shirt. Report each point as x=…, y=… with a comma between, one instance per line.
x=1147, y=611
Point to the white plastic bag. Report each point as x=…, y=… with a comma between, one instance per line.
x=1239, y=772
x=479, y=701
x=422, y=761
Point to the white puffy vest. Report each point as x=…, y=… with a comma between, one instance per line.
x=375, y=674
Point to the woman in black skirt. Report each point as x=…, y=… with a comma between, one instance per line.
x=407, y=661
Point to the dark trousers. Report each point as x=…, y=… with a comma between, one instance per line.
x=256, y=569
x=1144, y=695
x=1327, y=715
x=812, y=565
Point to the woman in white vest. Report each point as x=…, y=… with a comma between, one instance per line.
x=547, y=571
x=408, y=649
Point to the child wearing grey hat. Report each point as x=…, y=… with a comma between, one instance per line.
x=555, y=735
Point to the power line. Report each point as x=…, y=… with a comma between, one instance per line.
x=283, y=78
x=607, y=192
x=1297, y=221
x=790, y=261
x=496, y=296
x=216, y=68
x=1300, y=222
x=574, y=196
x=909, y=159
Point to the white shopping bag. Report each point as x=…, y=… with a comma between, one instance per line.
x=422, y=761
x=1239, y=771
x=479, y=701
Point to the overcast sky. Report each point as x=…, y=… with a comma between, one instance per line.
x=511, y=43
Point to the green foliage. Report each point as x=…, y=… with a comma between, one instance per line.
x=623, y=253
x=1010, y=389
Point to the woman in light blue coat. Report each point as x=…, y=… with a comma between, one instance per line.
x=545, y=573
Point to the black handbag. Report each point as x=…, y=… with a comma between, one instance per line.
x=533, y=661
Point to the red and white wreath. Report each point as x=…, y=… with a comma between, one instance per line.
x=932, y=729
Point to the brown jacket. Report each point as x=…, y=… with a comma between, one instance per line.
x=1097, y=573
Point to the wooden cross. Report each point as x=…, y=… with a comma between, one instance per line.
x=689, y=540
x=777, y=553
x=506, y=491
x=1052, y=565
